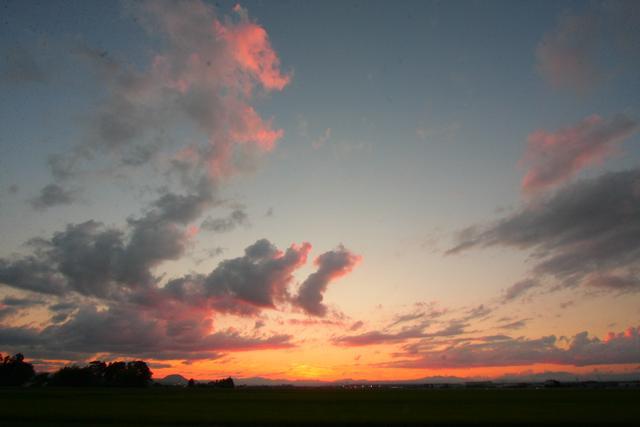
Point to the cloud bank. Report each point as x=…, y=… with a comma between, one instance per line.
x=586, y=233
x=580, y=350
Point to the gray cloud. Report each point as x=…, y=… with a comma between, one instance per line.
x=612, y=283
x=477, y=312
x=518, y=289
x=53, y=195
x=331, y=265
x=95, y=260
x=242, y=285
x=379, y=337
x=129, y=331
x=21, y=302
x=582, y=350
x=212, y=95
x=31, y=274
x=238, y=217
x=584, y=231
x=454, y=328
x=402, y=318
x=516, y=324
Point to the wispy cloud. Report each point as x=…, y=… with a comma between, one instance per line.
x=588, y=48
x=552, y=158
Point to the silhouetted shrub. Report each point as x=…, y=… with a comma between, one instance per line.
x=14, y=371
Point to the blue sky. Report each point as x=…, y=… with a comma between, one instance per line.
x=402, y=124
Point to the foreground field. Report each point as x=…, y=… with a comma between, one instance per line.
x=182, y=407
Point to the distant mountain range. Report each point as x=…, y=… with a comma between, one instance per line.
x=179, y=380
x=174, y=379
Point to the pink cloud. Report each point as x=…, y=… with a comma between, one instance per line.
x=205, y=76
x=252, y=50
x=554, y=157
x=590, y=47
x=567, y=56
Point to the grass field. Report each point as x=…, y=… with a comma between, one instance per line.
x=275, y=407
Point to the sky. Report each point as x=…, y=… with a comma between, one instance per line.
x=322, y=190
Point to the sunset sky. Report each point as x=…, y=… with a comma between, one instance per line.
x=322, y=190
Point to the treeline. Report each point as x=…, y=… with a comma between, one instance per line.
x=223, y=383
x=14, y=371
x=101, y=374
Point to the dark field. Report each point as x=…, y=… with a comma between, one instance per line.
x=274, y=407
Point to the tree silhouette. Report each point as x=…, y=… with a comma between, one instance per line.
x=14, y=371
x=73, y=376
x=98, y=373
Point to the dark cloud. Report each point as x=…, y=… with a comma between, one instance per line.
x=129, y=331
x=21, y=302
x=138, y=317
x=586, y=231
x=516, y=324
x=614, y=283
x=356, y=325
x=92, y=259
x=246, y=284
x=238, y=217
x=113, y=301
x=518, y=289
x=477, y=312
x=378, y=337
x=582, y=350
x=63, y=306
x=53, y=195
x=331, y=265
x=7, y=312
x=183, y=208
x=31, y=274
